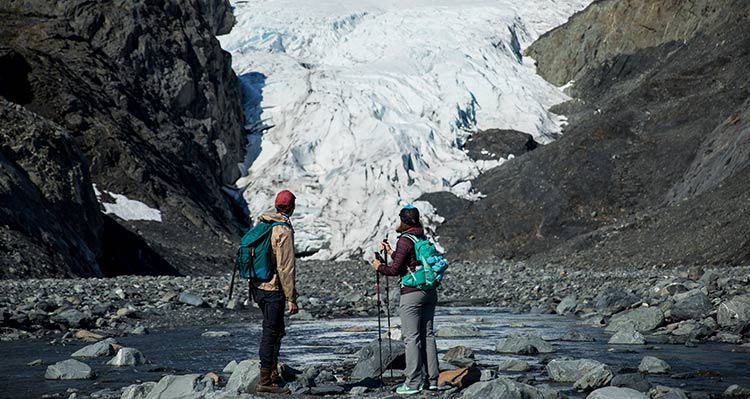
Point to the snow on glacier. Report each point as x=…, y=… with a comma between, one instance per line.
x=360, y=107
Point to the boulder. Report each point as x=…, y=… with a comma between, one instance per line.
x=567, y=305
x=570, y=370
x=627, y=337
x=735, y=312
x=736, y=391
x=70, y=369
x=101, y=348
x=653, y=365
x=501, y=388
x=642, y=319
x=229, y=368
x=599, y=376
x=188, y=386
x=616, y=393
x=71, y=318
x=368, y=364
x=513, y=365
x=459, y=331
x=631, y=380
x=138, y=391
x=460, y=356
x=663, y=392
x=244, y=377
x=693, y=304
x=127, y=357
x=190, y=299
x=523, y=345
x=614, y=299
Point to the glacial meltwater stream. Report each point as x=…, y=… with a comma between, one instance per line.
x=708, y=368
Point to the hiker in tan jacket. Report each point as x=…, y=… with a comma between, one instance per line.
x=271, y=296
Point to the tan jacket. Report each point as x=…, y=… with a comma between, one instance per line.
x=282, y=253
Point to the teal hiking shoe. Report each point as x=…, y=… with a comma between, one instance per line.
x=405, y=390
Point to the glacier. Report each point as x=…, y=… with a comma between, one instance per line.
x=360, y=107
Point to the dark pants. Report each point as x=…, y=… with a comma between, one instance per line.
x=271, y=303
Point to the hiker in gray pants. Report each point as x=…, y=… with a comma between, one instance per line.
x=417, y=309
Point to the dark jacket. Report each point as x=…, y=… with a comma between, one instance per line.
x=404, y=256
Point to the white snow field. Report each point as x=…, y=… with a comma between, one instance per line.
x=361, y=106
x=127, y=209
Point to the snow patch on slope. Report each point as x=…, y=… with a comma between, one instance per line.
x=127, y=209
x=360, y=107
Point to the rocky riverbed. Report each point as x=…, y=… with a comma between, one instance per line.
x=630, y=309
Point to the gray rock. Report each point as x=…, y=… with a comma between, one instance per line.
x=567, y=305
x=736, y=391
x=627, y=337
x=567, y=370
x=71, y=318
x=614, y=299
x=140, y=330
x=327, y=389
x=599, y=376
x=523, y=345
x=244, y=377
x=459, y=331
x=229, y=368
x=653, y=365
x=642, y=319
x=460, y=356
x=188, y=386
x=368, y=364
x=693, y=304
x=302, y=315
x=70, y=369
x=663, y=392
x=358, y=391
x=190, y=299
x=487, y=375
x=127, y=357
x=138, y=391
x=513, y=365
x=616, y=393
x=101, y=348
x=631, y=380
x=501, y=388
x=216, y=334
x=735, y=312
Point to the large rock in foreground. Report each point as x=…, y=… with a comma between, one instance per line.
x=616, y=393
x=127, y=357
x=245, y=377
x=641, y=319
x=693, y=304
x=523, y=345
x=70, y=369
x=101, y=348
x=735, y=312
x=368, y=364
x=563, y=370
x=502, y=388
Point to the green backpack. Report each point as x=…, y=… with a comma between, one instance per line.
x=254, y=255
x=429, y=275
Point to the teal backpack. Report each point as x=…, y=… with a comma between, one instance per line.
x=254, y=256
x=429, y=275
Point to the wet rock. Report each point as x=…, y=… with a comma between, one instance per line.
x=190, y=299
x=70, y=369
x=598, y=377
x=188, y=386
x=127, y=357
x=37, y=362
x=216, y=334
x=138, y=391
x=570, y=370
x=244, y=377
x=631, y=380
x=523, y=345
x=229, y=368
x=642, y=319
x=663, y=392
x=502, y=388
x=459, y=331
x=627, y=337
x=101, y=348
x=693, y=304
x=460, y=356
x=575, y=336
x=735, y=312
x=736, y=391
x=567, y=305
x=513, y=365
x=616, y=393
x=653, y=365
x=368, y=364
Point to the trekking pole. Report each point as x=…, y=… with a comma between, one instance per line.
x=231, y=284
x=380, y=338
x=388, y=304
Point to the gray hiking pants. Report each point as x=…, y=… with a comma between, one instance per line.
x=417, y=310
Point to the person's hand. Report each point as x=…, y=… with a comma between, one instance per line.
x=293, y=309
x=387, y=247
x=376, y=264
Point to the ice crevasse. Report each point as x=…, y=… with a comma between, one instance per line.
x=362, y=106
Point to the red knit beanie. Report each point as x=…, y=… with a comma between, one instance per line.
x=284, y=201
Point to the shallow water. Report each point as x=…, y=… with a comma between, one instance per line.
x=308, y=343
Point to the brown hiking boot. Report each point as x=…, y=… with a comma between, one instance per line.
x=265, y=385
x=275, y=376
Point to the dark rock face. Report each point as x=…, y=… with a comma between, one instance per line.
x=496, y=143
x=150, y=98
x=653, y=165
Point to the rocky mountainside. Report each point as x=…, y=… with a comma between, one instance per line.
x=653, y=167
x=136, y=97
